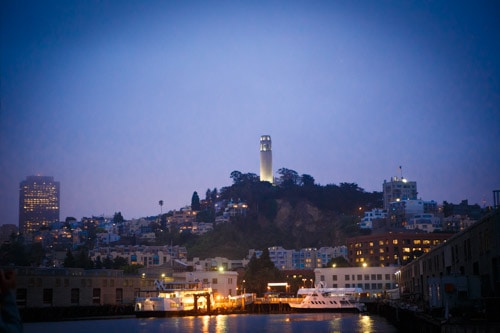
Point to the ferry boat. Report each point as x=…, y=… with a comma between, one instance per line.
x=321, y=299
x=174, y=299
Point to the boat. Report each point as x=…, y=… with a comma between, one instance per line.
x=174, y=299
x=320, y=299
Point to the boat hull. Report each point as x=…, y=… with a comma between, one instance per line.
x=164, y=314
x=319, y=310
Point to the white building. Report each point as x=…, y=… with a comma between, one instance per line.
x=373, y=280
x=367, y=220
x=223, y=283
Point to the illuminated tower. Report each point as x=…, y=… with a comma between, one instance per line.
x=266, y=159
x=38, y=203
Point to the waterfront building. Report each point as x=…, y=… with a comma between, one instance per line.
x=63, y=287
x=373, y=280
x=45, y=287
x=398, y=189
x=222, y=282
x=391, y=248
x=463, y=271
x=38, y=203
x=266, y=159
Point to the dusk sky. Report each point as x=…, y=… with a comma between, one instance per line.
x=130, y=102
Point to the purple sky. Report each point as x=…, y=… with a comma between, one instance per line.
x=129, y=102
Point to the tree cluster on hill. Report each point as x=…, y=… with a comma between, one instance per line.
x=294, y=213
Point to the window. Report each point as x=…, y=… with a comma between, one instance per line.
x=96, y=296
x=374, y=286
x=360, y=277
x=367, y=277
x=119, y=295
x=75, y=296
x=322, y=278
x=347, y=278
x=214, y=281
x=374, y=277
x=367, y=286
x=21, y=296
x=379, y=276
x=334, y=277
x=388, y=276
x=47, y=296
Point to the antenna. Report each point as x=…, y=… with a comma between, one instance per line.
x=401, y=171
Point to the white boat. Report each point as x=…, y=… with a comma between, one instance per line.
x=174, y=299
x=328, y=300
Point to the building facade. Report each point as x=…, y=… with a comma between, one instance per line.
x=466, y=267
x=398, y=189
x=266, y=159
x=391, y=248
x=38, y=203
x=373, y=280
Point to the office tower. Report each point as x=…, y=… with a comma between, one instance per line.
x=399, y=189
x=266, y=159
x=38, y=203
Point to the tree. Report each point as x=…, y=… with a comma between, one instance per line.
x=307, y=180
x=118, y=218
x=195, y=202
x=119, y=262
x=161, y=206
x=288, y=177
x=260, y=271
x=69, y=260
x=338, y=262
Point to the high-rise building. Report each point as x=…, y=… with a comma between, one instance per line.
x=38, y=203
x=266, y=159
x=399, y=189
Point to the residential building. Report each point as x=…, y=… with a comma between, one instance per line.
x=398, y=189
x=307, y=258
x=370, y=216
x=38, y=203
x=401, y=211
x=424, y=222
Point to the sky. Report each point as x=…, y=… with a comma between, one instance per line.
x=126, y=103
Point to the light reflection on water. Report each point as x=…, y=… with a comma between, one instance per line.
x=283, y=323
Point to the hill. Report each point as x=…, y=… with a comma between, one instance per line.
x=295, y=213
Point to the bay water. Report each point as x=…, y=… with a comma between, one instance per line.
x=282, y=323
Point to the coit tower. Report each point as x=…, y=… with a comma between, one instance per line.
x=266, y=159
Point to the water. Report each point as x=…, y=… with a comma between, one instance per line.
x=282, y=323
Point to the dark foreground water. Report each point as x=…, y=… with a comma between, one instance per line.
x=282, y=323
